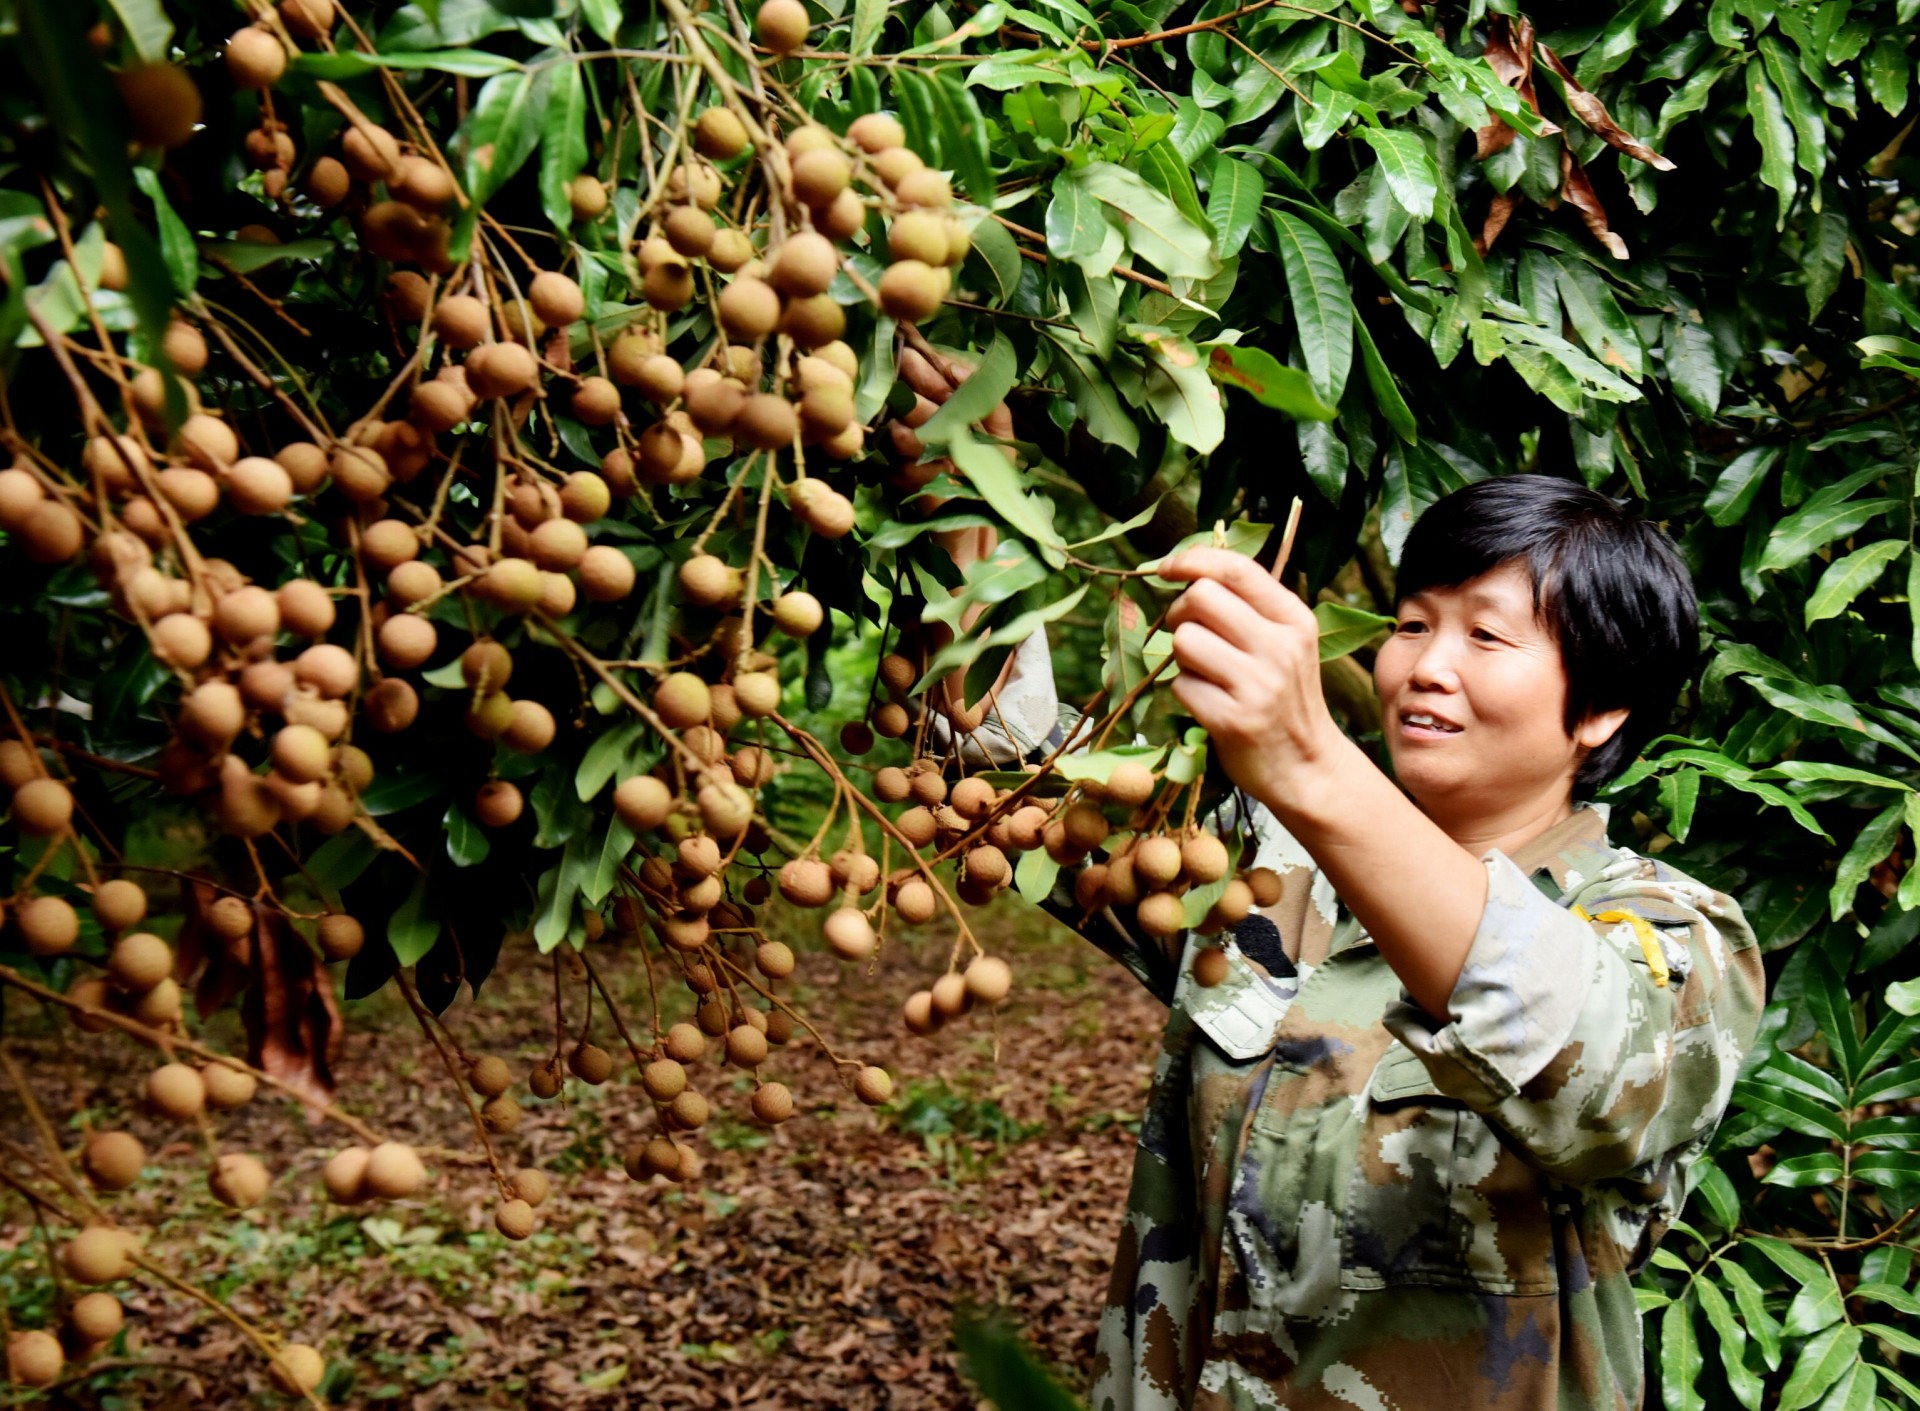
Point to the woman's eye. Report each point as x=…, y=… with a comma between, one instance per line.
x=1407, y=628
x=1481, y=634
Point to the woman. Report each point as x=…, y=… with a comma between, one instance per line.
x=1450, y=1093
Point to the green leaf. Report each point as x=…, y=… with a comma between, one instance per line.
x=563, y=143
x=1322, y=306
x=148, y=29
x=1889, y=72
x=412, y=930
x=964, y=651
x=1713, y=1187
x=1093, y=304
x=1004, y=1369
x=1409, y=170
x=1345, y=629
x=1825, y=705
x=1816, y=1306
x=1903, y=997
x=558, y=886
x=246, y=257
x=1776, y=139
x=996, y=250
x=176, y=241
x=963, y=135
x=975, y=398
x=1869, y=847
x=613, y=852
x=1761, y=1325
x=1792, y=1109
x=1847, y=578
x=1235, y=190
x=1598, y=318
x=352, y=63
x=1819, y=1168
x=1269, y=382
x=1153, y=226
x=1821, y=1364
x=1693, y=365
x=603, y=17
x=1078, y=230
x=1679, y=792
x=467, y=842
x=1739, y=485
x=989, y=471
x=1034, y=875
x=1825, y=258
x=1680, y=1360
x=1804, y=109
x=502, y=130
x=1854, y=1391
x=869, y=17
x=1005, y=573
x=1888, y=1168
x=1180, y=389
x=1380, y=381
x=602, y=761
x=1746, y=1387
x=1094, y=396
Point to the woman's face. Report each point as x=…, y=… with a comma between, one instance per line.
x=1473, y=697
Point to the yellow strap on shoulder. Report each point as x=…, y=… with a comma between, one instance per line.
x=1649, y=943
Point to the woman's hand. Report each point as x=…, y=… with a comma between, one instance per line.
x=1249, y=656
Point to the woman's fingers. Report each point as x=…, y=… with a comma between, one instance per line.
x=1207, y=703
x=905, y=444
x=926, y=379
x=1242, y=576
x=1203, y=652
x=1213, y=605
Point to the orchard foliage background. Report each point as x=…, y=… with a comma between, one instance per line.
x=1217, y=258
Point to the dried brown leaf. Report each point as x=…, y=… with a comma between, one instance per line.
x=1498, y=214
x=1591, y=111
x=1576, y=187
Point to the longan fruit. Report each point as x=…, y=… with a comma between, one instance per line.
x=99, y=1254
x=556, y=299
x=989, y=979
x=876, y=132
x=590, y=1064
x=51, y=533
x=642, y=802
x=730, y=251
x=413, y=582
x=255, y=58
x=345, y=1175
x=766, y=422
x=849, y=935
x=394, y=1171
x=891, y=785
x=1204, y=859
x=160, y=1006
x=181, y=640
x=829, y=514
x=139, y=960
x=690, y=1110
x=213, y=713
x=805, y=265
x=391, y=706
x=924, y=187
x=34, y=1358
x=257, y=485
x=951, y=998
x=297, y=1368
x=725, y=808
x=163, y=105
x=1265, y=885
x=113, y=1160
x=1156, y=861
x=48, y=926
x=360, y=473
x=914, y=902
x=689, y=230
x=497, y=803
x=606, y=574
x=370, y=152
x=185, y=347
x=774, y=959
x=664, y=1078
x=873, y=1086
x=748, y=308
x=772, y=1103
x=746, y=1046
x=531, y=1186
x=490, y=715
x=96, y=1317
x=782, y=25
x=587, y=195
x=718, y=133
x=814, y=322
x=306, y=608
x=685, y=1043
x=1210, y=967
x=177, y=1091
x=1130, y=784
x=239, y=1180
x=514, y=1219
x=917, y=825
x=919, y=235
x=327, y=182
x=490, y=1076
x=461, y=321
x=530, y=729
x=20, y=492
x=856, y=737
x=682, y=700
x=987, y=866
x=1161, y=915
x=911, y=290
x=806, y=881
x=340, y=936
x=228, y=1087
x=486, y=666
x=501, y=370
x=406, y=640
x=119, y=904
x=668, y=285
x=42, y=807
x=422, y=183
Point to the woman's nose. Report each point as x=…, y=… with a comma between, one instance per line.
x=1435, y=667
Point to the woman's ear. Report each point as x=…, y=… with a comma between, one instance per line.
x=1598, y=728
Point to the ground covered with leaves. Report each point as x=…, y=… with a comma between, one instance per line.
x=814, y=1265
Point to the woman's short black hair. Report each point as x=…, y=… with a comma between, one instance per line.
x=1607, y=582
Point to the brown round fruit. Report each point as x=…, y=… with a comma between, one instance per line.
x=228, y=1087
x=297, y=1368
x=96, y=1317
x=718, y=133
x=873, y=1086
x=393, y=1171
x=113, y=1160
x=119, y=904
x=911, y=290
x=497, y=803
x=34, y=1358
x=239, y=1181
x=805, y=265
x=876, y=132
x=163, y=106
x=782, y=25
x=557, y=300
x=682, y=700
x=177, y=1091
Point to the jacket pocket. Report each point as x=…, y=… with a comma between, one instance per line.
x=1436, y=1199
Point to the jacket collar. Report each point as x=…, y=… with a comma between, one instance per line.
x=1569, y=852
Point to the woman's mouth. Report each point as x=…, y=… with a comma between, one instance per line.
x=1424, y=725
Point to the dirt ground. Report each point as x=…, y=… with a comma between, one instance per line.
x=814, y=1265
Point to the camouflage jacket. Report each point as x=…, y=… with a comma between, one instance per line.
x=1339, y=1203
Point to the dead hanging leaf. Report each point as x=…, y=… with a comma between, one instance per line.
x=1591, y=111
x=1509, y=54
x=1498, y=214
x=1577, y=188
x=293, y=1025
x=219, y=969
